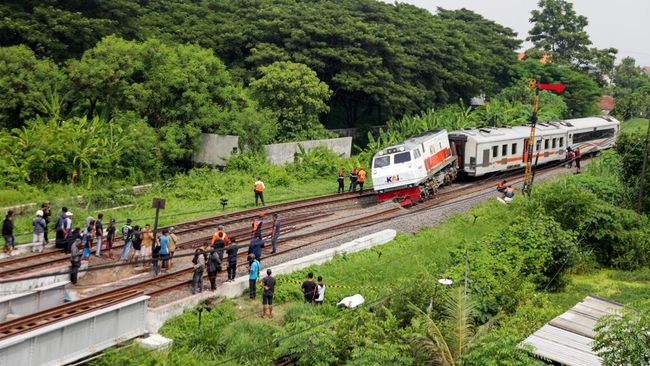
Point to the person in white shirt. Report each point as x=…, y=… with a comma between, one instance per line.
x=321, y=291
x=259, y=188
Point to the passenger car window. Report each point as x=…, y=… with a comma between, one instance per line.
x=553, y=143
x=514, y=149
x=495, y=151
x=381, y=162
x=561, y=141
x=546, y=144
x=416, y=154
x=504, y=150
x=402, y=157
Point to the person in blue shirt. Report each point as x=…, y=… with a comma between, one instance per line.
x=255, y=248
x=253, y=273
x=163, y=252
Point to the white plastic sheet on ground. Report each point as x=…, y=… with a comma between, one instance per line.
x=351, y=301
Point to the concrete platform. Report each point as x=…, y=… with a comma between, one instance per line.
x=156, y=317
x=25, y=303
x=75, y=338
x=27, y=285
x=155, y=342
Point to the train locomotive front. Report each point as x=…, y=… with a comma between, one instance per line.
x=413, y=170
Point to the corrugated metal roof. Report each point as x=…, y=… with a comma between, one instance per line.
x=568, y=338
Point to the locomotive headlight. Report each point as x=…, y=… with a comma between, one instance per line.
x=401, y=148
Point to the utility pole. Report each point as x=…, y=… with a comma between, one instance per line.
x=645, y=163
x=528, y=175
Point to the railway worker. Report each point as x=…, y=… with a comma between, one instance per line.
x=268, y=286
x=47, y=213
x=361, y=179
x=501, y=187
x=60, y=242
x=353, y=180
x=127, y=236
x=99, y=232
x=218, y=244
x=341, y=180
x=8, y=232
x=214, y=266
x=321, y=291
x=259, y=188
x=256, y=227
x=146, y=243
x=253, y=274
x=199, y=265
x=75, y=261
x=578, y=158
x=173, y=240
x=309, y=288
x=220, y=233
x=275, y=233
x=110, y=238
x=232, y=260
x=39, y=231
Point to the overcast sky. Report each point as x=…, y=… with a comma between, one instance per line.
x=622, y=24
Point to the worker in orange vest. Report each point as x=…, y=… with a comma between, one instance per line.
x=501, y=187
x=259, y=191
x=220, y=234
x=258, y=222
x=361, y=179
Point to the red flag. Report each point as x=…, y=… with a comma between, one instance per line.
x=558, y=88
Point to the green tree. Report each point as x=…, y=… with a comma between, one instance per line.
x=558, y=30
x=631, y=90
x=27, y=84
x=296, y=95
x=624, y=339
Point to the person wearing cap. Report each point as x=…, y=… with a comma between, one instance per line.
x=39, y=231
x=258, y=223
x=268, y=285
x=253, y=273
x=259, y=188
x=173, y=240
x=110, y=238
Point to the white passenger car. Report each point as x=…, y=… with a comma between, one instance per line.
x=487, y=150
x=414, y=169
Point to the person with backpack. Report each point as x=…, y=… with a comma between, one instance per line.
x=87, y=239
x=39, y=232
x=232, y=259
x=199, y=265
x=60, y=242
x=218, y=244
x=253, y=274
x=309, y=288
x=127, y=236
x=136, y=245
x=214, y=266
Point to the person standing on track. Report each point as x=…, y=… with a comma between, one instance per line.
x=353, y=180
x=259, y=188
x=199, y=265
x=214, y=266
x=147, y=243
x=47, y=213
x=253, y=273
x=99, y=233
x=173, y=240
x=361, y=179
x=8, y=232
x=39, y=231
x=570, y=157
x=256, y=227
x=275, y=233
x=163, y=243
x=88, y=237
x=341, y=180
x=75, y=261
x=136, y=244
x=67, y=231
x=255, y=248
x=59, y=225
x=309, y=289
x=127, y=236
x=268, y=285
x=110, y=238
x=578, y=158
x=232, y=260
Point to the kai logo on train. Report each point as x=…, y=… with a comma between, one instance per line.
x=394, y=178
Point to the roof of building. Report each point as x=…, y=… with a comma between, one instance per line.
x=568, y=338
x=606, y=103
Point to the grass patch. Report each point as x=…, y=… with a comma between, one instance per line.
x=635, y=125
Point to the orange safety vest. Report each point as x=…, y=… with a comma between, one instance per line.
x=215, y=237
x=362, y=176
x=501, y=185
x=256, y=224
x=259, y=187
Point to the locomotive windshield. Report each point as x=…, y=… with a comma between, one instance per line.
x=402, y=157
x=381, y=161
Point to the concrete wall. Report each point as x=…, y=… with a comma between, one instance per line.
x=216, y=149
x=284, y=153
x=25, y=303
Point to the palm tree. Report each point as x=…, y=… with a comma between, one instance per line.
x=459, y=330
